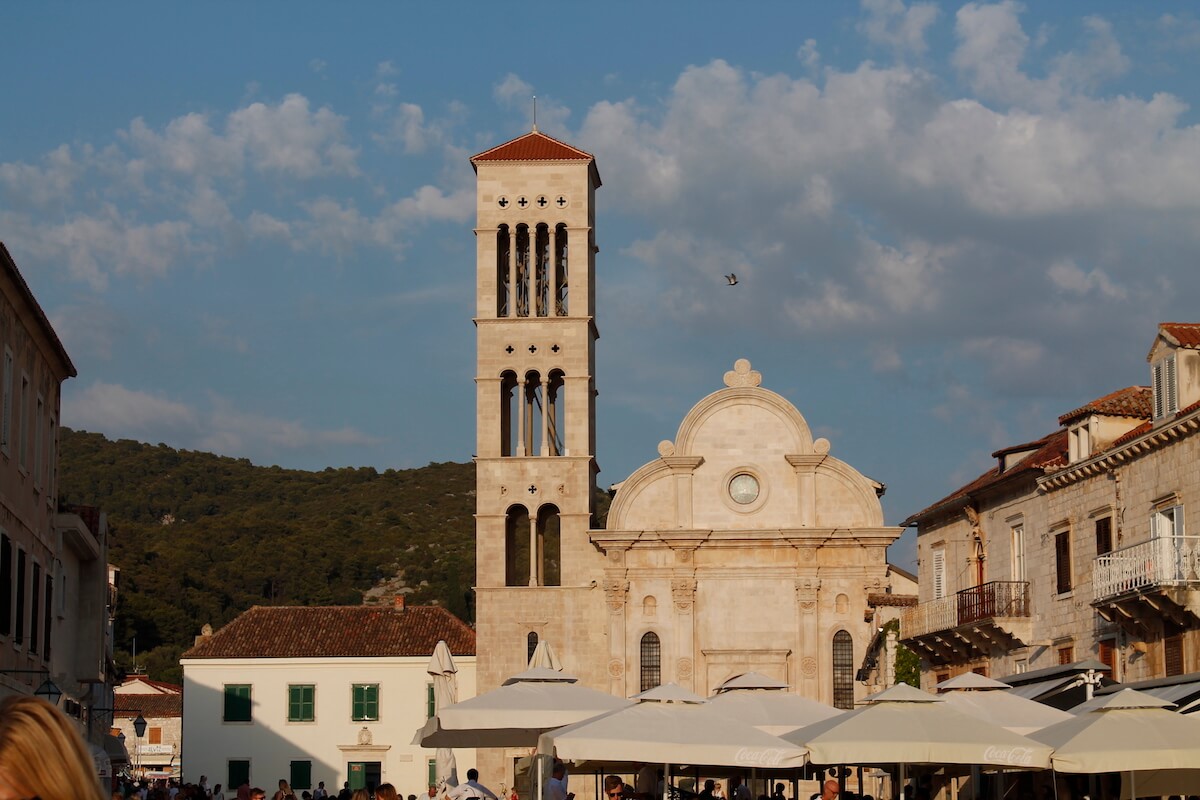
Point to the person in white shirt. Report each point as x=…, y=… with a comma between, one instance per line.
x=472, y=788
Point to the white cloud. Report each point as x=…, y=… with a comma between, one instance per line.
x=808, y=54
x=89, y=329
x=892, y=24
x=318, y=65
x=118, y=411
x=1069, y=277
x=290, y=139
x=25, y=185
x=1101, y=60
x=514, y=94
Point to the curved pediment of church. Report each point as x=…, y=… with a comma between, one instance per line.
x=744, y=458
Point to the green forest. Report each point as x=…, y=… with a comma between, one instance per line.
x=199, y=538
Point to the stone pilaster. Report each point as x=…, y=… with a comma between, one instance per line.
x=809, y=681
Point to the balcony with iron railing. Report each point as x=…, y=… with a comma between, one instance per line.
x=1161, y=574
x=969, y=623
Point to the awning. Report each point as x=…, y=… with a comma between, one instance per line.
x=115, y=750
x=103, y=764
x=1179, y=694
x=1042, y=689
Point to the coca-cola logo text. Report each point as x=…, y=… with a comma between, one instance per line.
x=1017, y=756
x=767, y=757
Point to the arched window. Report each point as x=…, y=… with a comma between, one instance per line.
x=503, y=276
x=649, y=607
x=523, y=267
x=651, y=661
x=549, y=540
x=560, y=272
x=556, y=413
x=541, y=263
x=516, y=547
x=531, y=643
x=842, y=604
x=843, y=670
x=510, y=410
x=531, y=415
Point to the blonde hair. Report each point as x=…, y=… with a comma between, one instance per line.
x=386, y=791
x=41, y=753
x=360, y=794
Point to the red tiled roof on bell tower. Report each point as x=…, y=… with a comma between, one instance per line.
x=533, y=146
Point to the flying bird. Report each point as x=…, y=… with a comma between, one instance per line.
x=732, y=279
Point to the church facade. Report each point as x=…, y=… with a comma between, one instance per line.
x=743, y=545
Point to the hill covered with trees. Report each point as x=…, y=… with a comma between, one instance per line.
x=199, y=538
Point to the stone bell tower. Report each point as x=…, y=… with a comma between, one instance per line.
x=535, y=409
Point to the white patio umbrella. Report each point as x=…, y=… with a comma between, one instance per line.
x=767, y=704
x=992, y=701
x=670, y=725
x=445, y=693
x=903, y=725
x=516, y=713
x=544, y=657
x=1132, y=733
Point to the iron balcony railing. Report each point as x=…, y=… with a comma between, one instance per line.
x=986, y=601
x=1160, y=561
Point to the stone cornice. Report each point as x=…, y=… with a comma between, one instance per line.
x=1100, y=463
x=788, y=537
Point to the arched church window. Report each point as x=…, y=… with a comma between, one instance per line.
x=516, y=547
x=549, y=537
x=560, y=270
x=843, y=670
x=556, y=411
x=503, y=272
x=541, y=265
x=531, y=643
x=651, y=661
x=524, y=251
x=510, y=410
x=532, y=414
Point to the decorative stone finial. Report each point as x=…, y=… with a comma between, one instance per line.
x=666, y=448
x=742, y=375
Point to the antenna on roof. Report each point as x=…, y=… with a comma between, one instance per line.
x=535, y=113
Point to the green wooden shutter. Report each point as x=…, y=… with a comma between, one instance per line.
x=371, y=701
x=301, y=774
x=237, y=702
x=239, y=773
x=300, y=703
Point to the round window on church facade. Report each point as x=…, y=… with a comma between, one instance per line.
x=743, y=489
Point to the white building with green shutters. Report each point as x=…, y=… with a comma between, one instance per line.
x=327, y=694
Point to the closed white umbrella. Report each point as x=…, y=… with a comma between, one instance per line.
x=993, y=701
x=445, y=693
x=1129, y=732
x=904, y=725
x=669, y=725
x=544, y=657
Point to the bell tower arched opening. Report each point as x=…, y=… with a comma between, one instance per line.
x=549, y=538
x=516, y=547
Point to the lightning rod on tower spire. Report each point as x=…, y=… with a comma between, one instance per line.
x=535, y=113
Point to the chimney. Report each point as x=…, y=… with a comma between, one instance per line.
x=205, y=632
x=399, y=606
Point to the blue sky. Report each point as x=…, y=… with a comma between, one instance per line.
x=251, y=223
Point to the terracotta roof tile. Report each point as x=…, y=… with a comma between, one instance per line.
x=1183, y=334
x=1132, y=401
x=1051, y=452
x=1147, y=426
x=172, y=688
x=337, y=631
x=148, y=705
x=533, y=146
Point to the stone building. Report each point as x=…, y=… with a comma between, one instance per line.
x=154, y=754
x=743, y=545
x=1075, y=546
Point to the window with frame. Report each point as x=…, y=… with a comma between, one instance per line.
x=6, y=423
x=237, y=703
x=1020, y=666
x=239, y=772
x=1066, y=655
x=19, y=632
x=301, y=774
x=154, y=735
x=430, y=701
x=432, y=776
x=843, y=670
x=1106, y=654
x=1173, y=655
x=651, y=661
x=23, y=425
x=939, y=574
x=531, y=643
x=1167, y=521
x=1062, y=561
x=1104, y=536
x=39, y=439
x=301, y=702
x=35, y=604
x=364, y=702
x=1018, y=552
x=1166, y=395
x=6, y=584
